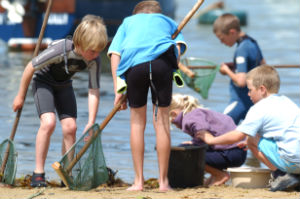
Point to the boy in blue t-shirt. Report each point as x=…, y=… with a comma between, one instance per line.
x=247, y=56
x=144, y=54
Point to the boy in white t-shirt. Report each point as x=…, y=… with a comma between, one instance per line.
x=272, y=128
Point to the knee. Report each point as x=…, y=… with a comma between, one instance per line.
x=69, y=128
x=48, y=125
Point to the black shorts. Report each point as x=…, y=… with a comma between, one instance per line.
x=138, y=81
x=49, y=98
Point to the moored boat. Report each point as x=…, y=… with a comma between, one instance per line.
x=65, y=15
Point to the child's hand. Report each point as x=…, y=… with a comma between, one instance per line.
x=90, y=133
x=18, y=103
x=243, y=145
x=117, y=99
x=224, y=68
x=187, y=143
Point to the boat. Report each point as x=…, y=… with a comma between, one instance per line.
x=22, y=23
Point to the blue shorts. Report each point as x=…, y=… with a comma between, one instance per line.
x=269, y=148
x=222, y=159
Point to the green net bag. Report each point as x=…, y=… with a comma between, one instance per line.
x=90, y=170
x=7, y=150
x=205, y=73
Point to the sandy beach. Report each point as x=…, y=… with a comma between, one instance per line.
x=225, y=191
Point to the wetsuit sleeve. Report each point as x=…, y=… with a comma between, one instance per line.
x=94, y=73
x=240, y=59
x=49, y=56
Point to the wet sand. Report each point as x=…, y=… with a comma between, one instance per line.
x=225, y=191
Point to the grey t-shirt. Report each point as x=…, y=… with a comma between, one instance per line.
x=52, y=69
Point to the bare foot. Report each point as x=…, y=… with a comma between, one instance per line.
x=220, y=179
x=165, y=188
x=135, y=188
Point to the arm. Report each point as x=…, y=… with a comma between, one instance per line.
x=25, y=81
x=238, y=78
x=114, y=62
x=227, y=138
x=179, y=52
x=93, y=104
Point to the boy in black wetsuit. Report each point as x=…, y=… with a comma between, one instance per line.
x=52, y=87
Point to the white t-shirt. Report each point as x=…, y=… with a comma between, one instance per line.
x=278, y=118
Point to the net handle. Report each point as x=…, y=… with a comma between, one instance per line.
x=90, y=141
x=18, y=115
x=186, y=19
x=213, y=67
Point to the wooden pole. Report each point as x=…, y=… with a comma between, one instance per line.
x=187, y=18
x=18, y=115
x=213, y=67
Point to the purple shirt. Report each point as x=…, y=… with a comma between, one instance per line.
x=205, y=120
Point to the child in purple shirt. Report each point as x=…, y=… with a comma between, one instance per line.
x=189, y=116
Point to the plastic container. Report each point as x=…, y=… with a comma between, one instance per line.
x=210, y=16
x=186, y=166
x=249, y=177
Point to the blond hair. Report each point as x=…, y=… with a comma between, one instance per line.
x=265, y=75
x=91, y=34
x=147, y=6
x=186, y=103
x=226, y=22
x=92, y=17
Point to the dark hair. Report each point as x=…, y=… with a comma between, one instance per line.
x=226, y=22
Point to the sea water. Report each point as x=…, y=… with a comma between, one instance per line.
x=273, y=23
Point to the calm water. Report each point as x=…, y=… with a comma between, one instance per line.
x=273, y=23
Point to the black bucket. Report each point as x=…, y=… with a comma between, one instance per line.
x=186, y=166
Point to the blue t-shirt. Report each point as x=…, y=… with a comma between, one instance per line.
x=143, y=37
x=278, y=118
x=246, y=57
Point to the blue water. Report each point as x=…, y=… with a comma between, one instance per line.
x=273, y=23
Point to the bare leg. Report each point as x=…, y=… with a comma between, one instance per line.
x=163, y=144
x=47, y=126
x=137, y=123
x=252, y=143
x=69, y=128
x=218, y=177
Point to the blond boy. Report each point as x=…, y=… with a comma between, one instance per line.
x=52, y=87
x=271, y=126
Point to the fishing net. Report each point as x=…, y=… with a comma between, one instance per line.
x=205, y=73
x=90, y=169
x=7, y=150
